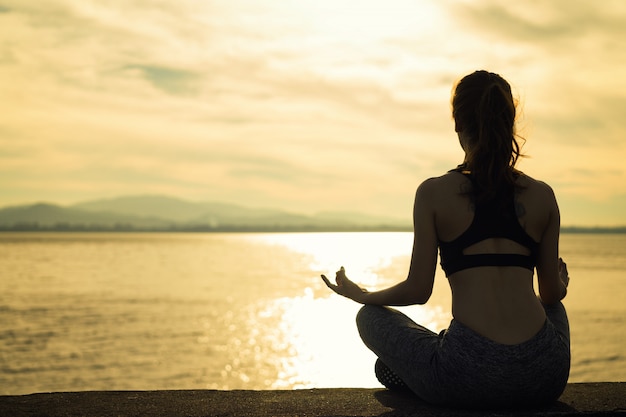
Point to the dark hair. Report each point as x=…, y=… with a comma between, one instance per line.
x=484, y=110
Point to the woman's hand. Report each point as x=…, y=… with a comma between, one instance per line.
x=564, y=275
x=346, y=287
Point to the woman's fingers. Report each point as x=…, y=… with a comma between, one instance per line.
x=327, y=282
x=340, y=276
x=335, y=288
x=563, y=272
x=340, y=279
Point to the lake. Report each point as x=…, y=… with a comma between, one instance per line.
x=147, y=311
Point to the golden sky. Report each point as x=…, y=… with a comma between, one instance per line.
x=302, y=105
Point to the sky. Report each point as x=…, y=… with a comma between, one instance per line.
x=306, y=106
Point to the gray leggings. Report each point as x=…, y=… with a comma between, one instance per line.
x=459, y=367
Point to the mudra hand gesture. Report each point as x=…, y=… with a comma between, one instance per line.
x=345, y=287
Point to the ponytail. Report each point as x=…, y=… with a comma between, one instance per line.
x=484, y=110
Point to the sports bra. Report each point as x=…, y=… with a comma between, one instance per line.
x=489, y=222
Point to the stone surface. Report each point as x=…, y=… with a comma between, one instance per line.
x=589, y=399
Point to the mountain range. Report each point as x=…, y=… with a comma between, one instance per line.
x=162, y=213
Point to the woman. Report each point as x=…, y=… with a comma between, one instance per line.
x=493, y=225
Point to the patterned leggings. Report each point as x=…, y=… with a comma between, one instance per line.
x=459, y=367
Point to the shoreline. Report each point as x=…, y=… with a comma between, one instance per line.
x=588, y=399
x=589, y=230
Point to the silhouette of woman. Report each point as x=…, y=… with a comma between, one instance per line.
x=493, y=226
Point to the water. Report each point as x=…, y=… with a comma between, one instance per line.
x=241, y=311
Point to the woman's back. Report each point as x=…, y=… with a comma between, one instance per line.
x=493, y=227
x=497, y=302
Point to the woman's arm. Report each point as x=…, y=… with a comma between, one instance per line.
x=417, y=287
x=552, y=275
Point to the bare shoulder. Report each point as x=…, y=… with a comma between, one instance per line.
x=429, y=191
x=442, y=193
x=437, y=185
x=535, y=187
x=538, y=202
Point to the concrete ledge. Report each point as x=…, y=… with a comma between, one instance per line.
x=589, y=399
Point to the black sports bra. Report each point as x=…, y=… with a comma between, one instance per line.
x=489, y=222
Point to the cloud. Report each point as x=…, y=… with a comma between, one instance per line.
x=298, y=103
x=169, y=80
x=540, y=22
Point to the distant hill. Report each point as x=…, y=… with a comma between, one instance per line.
x=160, y=213
x=151, y=205
x=50, y=216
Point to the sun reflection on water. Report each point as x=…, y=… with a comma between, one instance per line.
x=354, y=251
x=321, y=344
x=314, y=339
